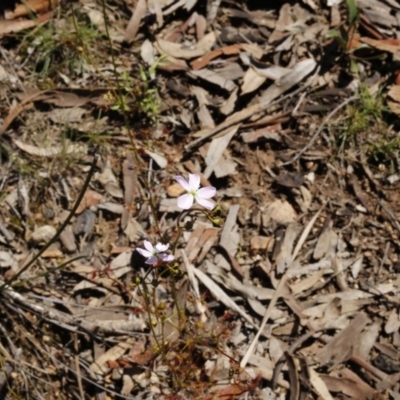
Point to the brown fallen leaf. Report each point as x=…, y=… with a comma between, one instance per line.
x=201, y=62
x=389, y=45
x=31, y=6
x=10, y=26
x=90, y=198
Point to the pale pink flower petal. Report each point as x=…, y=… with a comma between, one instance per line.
x=161, y=247
x=182, y=181
x=152, y=260
x=209, y=205
x=194, y=181
x=185, y=201
x=149, y=247
x=206, y=192
x=168, y=258
x=144, y=252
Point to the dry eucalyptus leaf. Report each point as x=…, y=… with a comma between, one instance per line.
x=53, y=151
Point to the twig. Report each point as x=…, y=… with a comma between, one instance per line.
x=320, y=129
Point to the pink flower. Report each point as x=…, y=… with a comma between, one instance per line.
x=195, y=193
x=155, y=254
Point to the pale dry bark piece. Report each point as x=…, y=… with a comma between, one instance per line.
x=203, y=112
x=281, y=212
x=307, y=283
x=134, y=23
x=147, y=53
x=219, y=294
x=214, y=78
x=378, y=13
x=252, y=80
x=54, y=151
x=393, y=322
x=367, y=340
x=229, y=236
x=216, y=149
x=272, y=72
x=226, y=166
x=266, y=369
x=262, y=242
x=298, y=73
x=319, y=385
x=155, y=7
x=232, y=283
x=326, y=244
x=114, y=208
x=340, y=348
x=304, y=199
x=355, y=268
x=284, y=257
x=160, y=160
x=177, y=50
x=200, y=308
x=229, y=105
x=127, y=385
x=349, y=384
x=99, y=366
x=134, y=230
x=202, y=238
x=67, y=115
x=72, y=324
x=109, y=181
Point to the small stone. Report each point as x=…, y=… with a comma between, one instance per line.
x=43, y=234
x=48, y=213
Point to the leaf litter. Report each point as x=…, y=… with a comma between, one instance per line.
x=291, y=112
